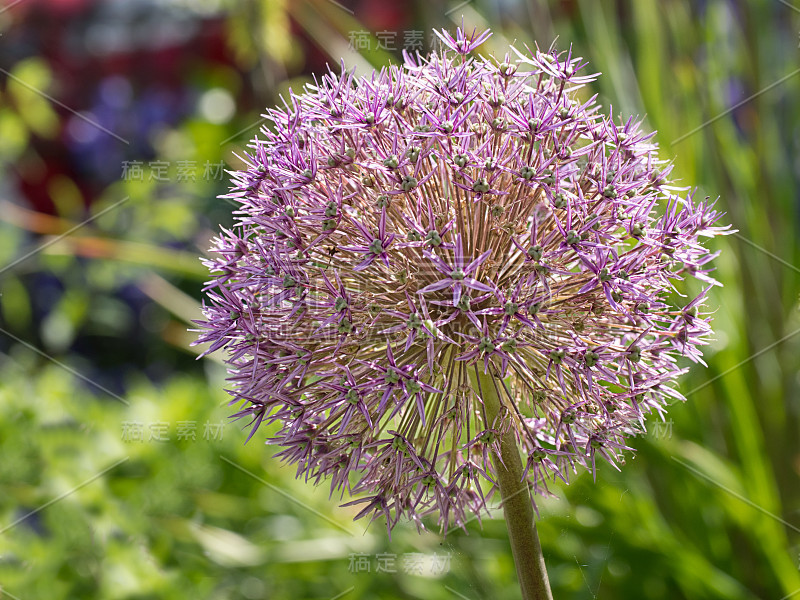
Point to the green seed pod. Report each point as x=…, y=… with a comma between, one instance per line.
x=507, y=69
x=433, y=238
x=408, y=183
x=480, y=186
x=572, y=237
x=634, y=354
x=486, y=345
x=510, y=345
x=376, y=247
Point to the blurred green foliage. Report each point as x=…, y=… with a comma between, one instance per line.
x=707, y=512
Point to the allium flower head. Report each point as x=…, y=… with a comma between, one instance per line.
x=403, y=232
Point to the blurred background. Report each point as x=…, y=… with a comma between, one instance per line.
x=120, y=474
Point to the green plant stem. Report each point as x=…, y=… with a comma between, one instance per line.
x=515, y=496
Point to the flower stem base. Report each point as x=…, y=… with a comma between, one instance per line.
x=515, y=496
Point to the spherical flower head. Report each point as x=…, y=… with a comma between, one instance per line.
x=402, y=234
